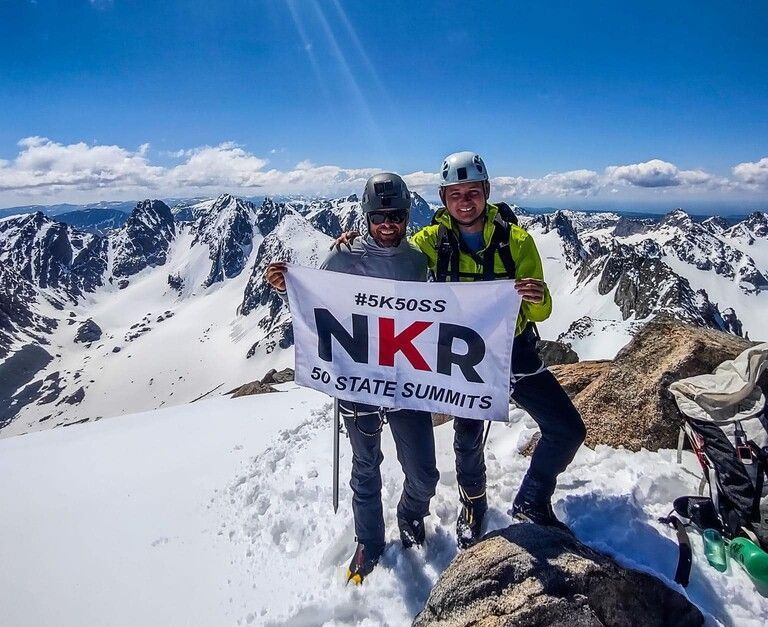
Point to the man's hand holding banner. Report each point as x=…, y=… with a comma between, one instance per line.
x=439, y=347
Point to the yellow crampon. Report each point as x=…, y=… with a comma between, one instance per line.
x=355, y=578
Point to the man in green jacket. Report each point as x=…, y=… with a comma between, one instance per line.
x=471, y=241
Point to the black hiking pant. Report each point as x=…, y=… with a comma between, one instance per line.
x=415, y=444
x=562, y=432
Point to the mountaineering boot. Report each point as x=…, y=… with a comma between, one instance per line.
x=363, y=562
x=411, y=531
x=470, y=519
x=537, y=512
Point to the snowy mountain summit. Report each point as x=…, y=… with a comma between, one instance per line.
x=179, y=296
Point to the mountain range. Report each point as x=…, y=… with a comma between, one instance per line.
x=102, y=314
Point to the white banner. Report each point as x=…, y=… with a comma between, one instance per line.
x=440, y=347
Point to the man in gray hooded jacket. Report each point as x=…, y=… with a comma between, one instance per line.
x=383, y=253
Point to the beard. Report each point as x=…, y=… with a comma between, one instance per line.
x=388, y=240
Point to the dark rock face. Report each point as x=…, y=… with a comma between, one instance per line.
x=757, y=223
x=732, y=322
x=646, y=286
x=75, y=398
x=630, y=226
x=283, y=376
x=715, y=225
x=553, y=353
x=53, y=255
x=326, y=222
x=627, y=402
x=145, y=238
x=249, y=389
x=695, y=244
x=269, y=215
x=176, y=282
x=532, y=575
x=573, y=248
x=421, y=213
x=89, y=331
x=16, y=373
x=332, y=217
x=228, y=231
x=18, y=313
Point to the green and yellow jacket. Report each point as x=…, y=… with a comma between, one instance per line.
x=522, y=247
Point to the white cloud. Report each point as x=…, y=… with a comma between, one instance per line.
x=422, y=181
x=555, y=184
x=49, y=165
x=217, y=166
x=753, y=173
x=46, y=170
x=653, y=173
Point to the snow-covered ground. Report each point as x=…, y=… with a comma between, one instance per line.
x=219, y=513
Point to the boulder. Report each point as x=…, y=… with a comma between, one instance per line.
x=532, y=575
x=627, y=402
x=74, y=399
x=553, y=353
x=283, y=376
x=254, y=387
x=575, y=377
x=88, y=331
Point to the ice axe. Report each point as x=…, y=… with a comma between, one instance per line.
x=336, y=430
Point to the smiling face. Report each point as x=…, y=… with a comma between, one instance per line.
x=466, y=204
x=391, y=231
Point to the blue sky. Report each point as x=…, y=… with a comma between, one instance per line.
x=570, y=103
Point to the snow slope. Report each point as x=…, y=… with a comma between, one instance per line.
x=219, y=513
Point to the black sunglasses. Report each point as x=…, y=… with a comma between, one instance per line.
x=398, y=216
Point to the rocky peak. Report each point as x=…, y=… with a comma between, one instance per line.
x=17, y=312
x=631, y=226
x=715, y=225
x=757, y=223
x=144, y=239
x=269, y=215
x=695, y=244
x=646, y=286
x=227, y=229
x=51, y=254
x=678, y=218
x=421, y=213
x=573, y=248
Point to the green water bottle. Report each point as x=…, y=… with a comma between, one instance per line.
x=751, y=557
x=714, y=549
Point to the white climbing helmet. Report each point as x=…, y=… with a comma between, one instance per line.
x=463, y=167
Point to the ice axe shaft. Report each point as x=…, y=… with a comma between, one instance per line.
x=336, y=431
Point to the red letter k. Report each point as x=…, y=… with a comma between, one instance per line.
x=390, y=344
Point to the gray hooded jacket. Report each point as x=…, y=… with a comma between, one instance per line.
x=404, y=262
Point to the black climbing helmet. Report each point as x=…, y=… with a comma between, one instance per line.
x=384, y=192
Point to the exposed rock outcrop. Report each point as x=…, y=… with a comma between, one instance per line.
x=577, y=376
x=88, y=331
x=626, y=402
x=144, y=240
x=227, y=229
x=532, y=575
x=552, y=353
x=53, y=255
